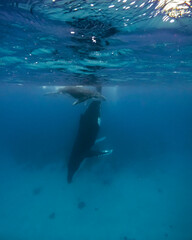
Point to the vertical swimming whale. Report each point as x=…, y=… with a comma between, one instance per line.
x=87, y=133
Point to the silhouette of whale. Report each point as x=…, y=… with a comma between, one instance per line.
x=86, y=137
x=80, y=93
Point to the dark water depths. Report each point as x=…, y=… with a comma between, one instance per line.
x=143, y=59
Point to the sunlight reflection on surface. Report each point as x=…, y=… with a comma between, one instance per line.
x=175, y=8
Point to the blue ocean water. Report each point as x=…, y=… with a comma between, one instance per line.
x=140, y=53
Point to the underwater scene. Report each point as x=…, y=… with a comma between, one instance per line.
x=96, y=120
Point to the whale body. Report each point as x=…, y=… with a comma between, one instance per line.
x=86, y=137
x=80, y=93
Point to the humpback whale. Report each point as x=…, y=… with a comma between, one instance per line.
x=86, y=137
x=80, y=93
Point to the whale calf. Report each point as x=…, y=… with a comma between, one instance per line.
x=80, y=93
x=89, y=126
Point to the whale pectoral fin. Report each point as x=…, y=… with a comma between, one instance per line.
x=80, y=100
x=103, y=98
x=94, y=153
x=51, y=94
x=76, y=102
x=100, y=140
x=106, y=152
